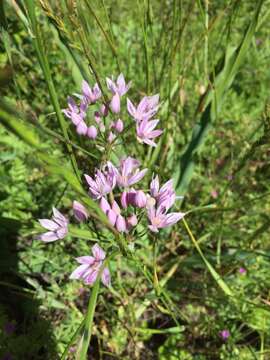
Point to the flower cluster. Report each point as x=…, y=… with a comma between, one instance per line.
x=142, y=114
x=115, y=187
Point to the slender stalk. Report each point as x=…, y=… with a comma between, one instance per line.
x=37, y=41
x=212, y=271
x=85, y=340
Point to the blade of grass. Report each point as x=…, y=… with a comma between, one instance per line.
x=44, y=63
x=210, y=268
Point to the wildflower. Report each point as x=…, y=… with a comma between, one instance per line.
x=119, y=87
x=90, y=95
x=128, y=173
x=159, y=218
x=102, y=184
x=90, y=266
x=242, y=270
x=224, y=334
x=164, y=196
x=132, y=221
x=92, y=132
x=74, y=112
x=115, y=104
x=146, y=109
x=58, y=227
x=146, y=133
x=80, y=212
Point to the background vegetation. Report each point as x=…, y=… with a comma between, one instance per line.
x=209, y=62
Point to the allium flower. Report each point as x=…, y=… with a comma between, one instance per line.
x=159, y=218
x=90, y=95
x=58, y=227
x=90, y=266
x=73, y=112
x=120, y=87
x=224, y=334
x=164, y=196
x=128, y=173
x=146, y=109
x=80, y=212
x=146, y=133
x=140, y=199
x=102, y=184
x=115, y=104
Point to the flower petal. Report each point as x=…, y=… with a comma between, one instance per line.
x=48, y=224
x=86, y=260
x=106, y=277
x=98, y=253
x=48, y=236
x=79, y=271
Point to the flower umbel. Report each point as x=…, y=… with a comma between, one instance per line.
x=90, y=267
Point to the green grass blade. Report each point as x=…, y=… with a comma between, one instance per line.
x=226, y=70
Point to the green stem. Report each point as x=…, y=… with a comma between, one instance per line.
x=43, y=61
x=85, y=340
x=210, y=268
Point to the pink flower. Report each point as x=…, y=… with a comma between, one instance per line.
x=164, y=196
x=146, y=133
x=242, y=270
x=120, y=87
x=90, y=267
x=90, y=95
x=128, y=198
x=111, y=137
x=58, y=227
x=80, y=212
x=118, y=125
x=146, y=109
x=140, y=199
x=128, y=173
x=103, y=182
x=224, y=334
x=159, y=218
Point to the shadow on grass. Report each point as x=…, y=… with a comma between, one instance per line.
x=24, y=334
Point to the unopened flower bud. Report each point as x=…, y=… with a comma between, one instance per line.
x=92, y=132
x=119, y=126
x=115, y=103
x=140, y=199
x=80, y=212
x=121, y=224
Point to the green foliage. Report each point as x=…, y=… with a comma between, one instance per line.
x=170, y=301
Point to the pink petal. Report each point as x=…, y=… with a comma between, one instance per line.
x=115, y=103
x=81, y=128
x=121, y=224
x=80, y=212
x=98, y=253
x=172, y=218
x=104, y=205
x=48, y=224
x=131, y=108
x=137, y=177
x=89, y=260
x=79, y=271
x=106, y=277
x=91, y=277
x=48, y=236
x=155, y=133
x=111, y=215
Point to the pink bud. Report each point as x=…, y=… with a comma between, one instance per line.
x=119, y=125
x=80, y=212
x=128, y=198
x=111, y=216
x=121, y=224
x=104, y=110
x=81, y=128
x=132, y=220
x=111, y=137
x=92, y=132
x=115, y=103
x=104, y=205
x=140, y=199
